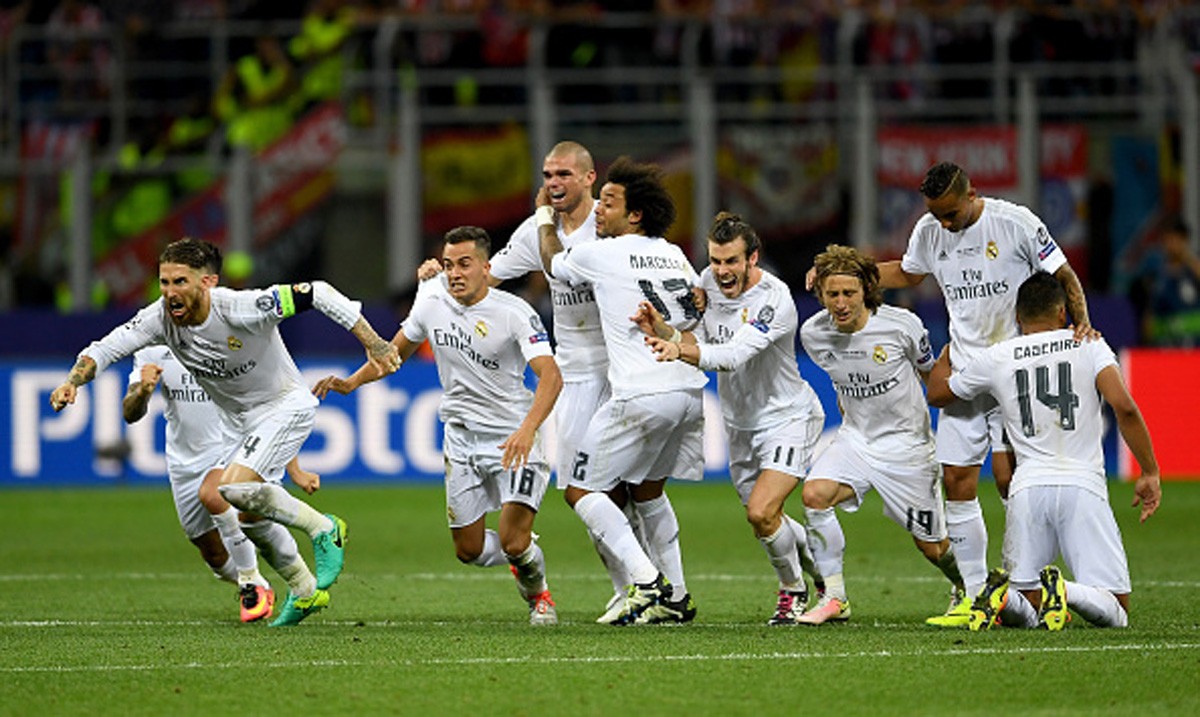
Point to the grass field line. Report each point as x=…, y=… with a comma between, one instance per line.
x=503, y=576
x=612, y=659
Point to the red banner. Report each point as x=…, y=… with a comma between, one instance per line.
x=1163, y=384
x=288, y=179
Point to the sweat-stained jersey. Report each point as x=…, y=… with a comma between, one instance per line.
x=751, y=342
x=580, y=342
x=1045, y=383
x=197, y=437
x=874, y=372
x=624, y=271
x=979, y=270
x=481, y=352
x=236, y=355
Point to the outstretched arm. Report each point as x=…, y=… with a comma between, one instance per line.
x=517, y=446
x=81, y=373
x=937, y=382
x=891, y=276
x=137, y=398
x=1148, y=489
x=368, y=372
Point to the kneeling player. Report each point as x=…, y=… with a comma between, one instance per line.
x=1049, y=386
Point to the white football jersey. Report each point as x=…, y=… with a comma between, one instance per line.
x=197, y=436
x=580, y=342
x=1045, y=384
x=979, y=270
x=481, y=352
x=236, y=355
x=875, y=374
x=624, y=271
x=751, y=342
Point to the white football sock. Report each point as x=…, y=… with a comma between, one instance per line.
x=662, y=534
x=275, y=542
x=272, y=501
x=781, y=551
x=968, y=536
x=609, y=526
x=492, y=554
x=227, y=572
x=804, y=553
x=531, y=571
x=1096, y=605
x=299, y=578
x=241, y=550
x=835, y=586
x=1018, y=611
x=827, y=542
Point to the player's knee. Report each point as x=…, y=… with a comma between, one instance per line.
x=814, y=498
x=467, y=554
x=516, y=543
x=762, y=518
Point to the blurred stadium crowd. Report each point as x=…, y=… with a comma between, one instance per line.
x=151, y=81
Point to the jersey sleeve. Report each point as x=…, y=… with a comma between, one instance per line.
x=976, y=377
x=1101, y=354
x=776, y=318
x=916, y=344
x=529, y=333
x=144, y=329
x=140, y=359
x=915, y=260
x=575, y=265
x=415, y=326
x=521, y=255
x=1048, y=256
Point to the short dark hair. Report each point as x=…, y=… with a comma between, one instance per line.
x=943, y=177
x=460, y=235
x=728, y=226
x=1040, y=296
x=193, y=253
x=645, y=193
x=848, y=261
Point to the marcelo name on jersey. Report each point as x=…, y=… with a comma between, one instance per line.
x=461, y=340
x=653, y=261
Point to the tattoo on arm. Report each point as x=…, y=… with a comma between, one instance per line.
x=83, y=371
x=1076, y=301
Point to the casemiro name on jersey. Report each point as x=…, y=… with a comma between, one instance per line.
x=1044, y=348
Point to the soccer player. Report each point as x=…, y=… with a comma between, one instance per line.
x=229, y=341
x=651, y=426
x=482, y=339
x=978, y=249
x=197, y=443
x=568, y=174
x=772, y=417
x=1049, y=386
x=876, y=355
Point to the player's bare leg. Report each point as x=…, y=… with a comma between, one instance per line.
x=764, y=512
x=527, y=561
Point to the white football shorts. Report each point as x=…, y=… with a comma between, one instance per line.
x=476, y=481
x=787, y=448
x=577, y=403
x=968, y=429
x=1044, y=521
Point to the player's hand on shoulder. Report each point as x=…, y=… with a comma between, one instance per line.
x=699, y=299
x=332, y=383
x=429, y=269
x=1086, y=332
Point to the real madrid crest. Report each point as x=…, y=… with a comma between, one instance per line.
x=234, y=343
x=992, y=251
x=879, y=355
x=745, y=314
x=481, y=329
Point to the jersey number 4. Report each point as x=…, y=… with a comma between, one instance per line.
x=1065, y=401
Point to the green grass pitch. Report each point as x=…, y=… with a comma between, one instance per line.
x=108, y=610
